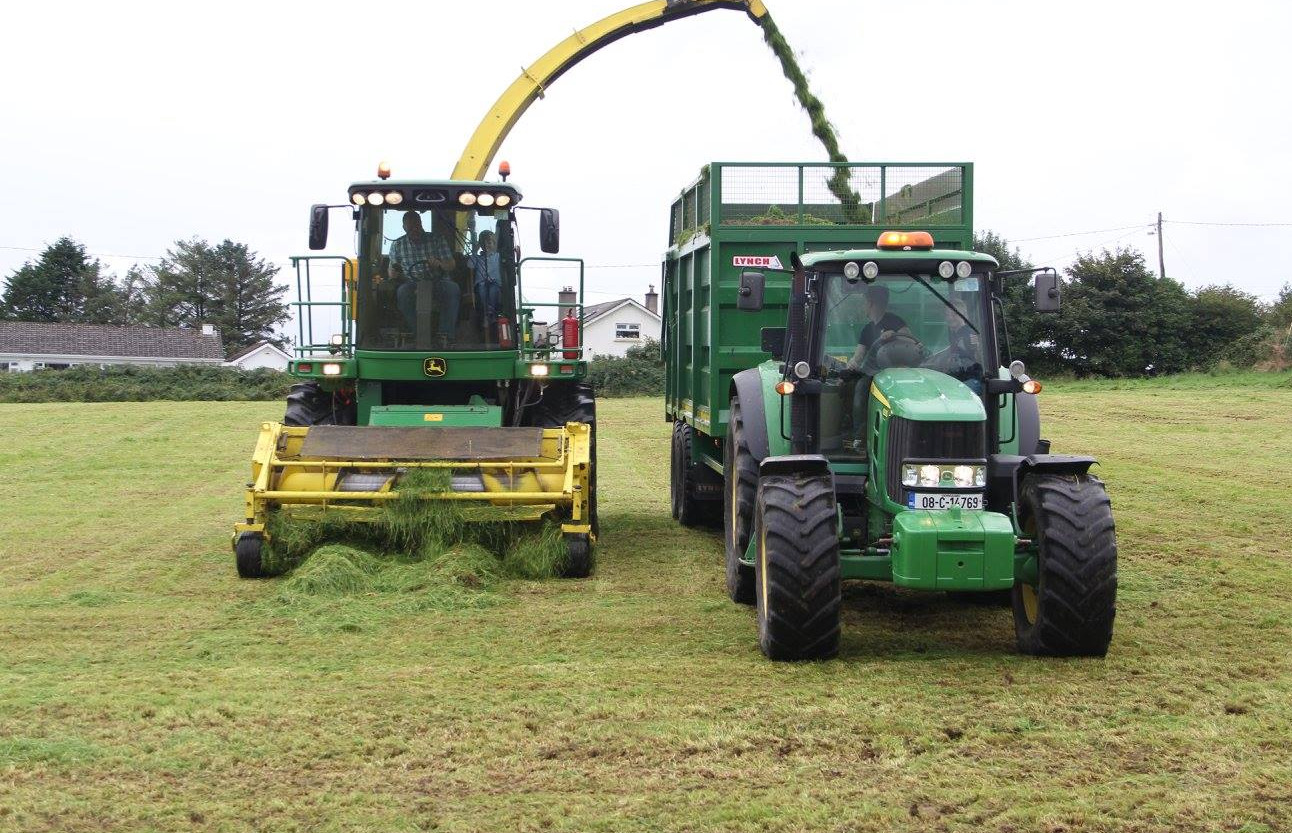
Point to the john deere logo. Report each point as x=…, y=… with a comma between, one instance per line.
x=435, y=366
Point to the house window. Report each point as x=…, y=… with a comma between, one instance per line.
x=623, y=331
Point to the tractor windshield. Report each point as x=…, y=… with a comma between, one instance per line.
x=435, y=279
x=899, y=320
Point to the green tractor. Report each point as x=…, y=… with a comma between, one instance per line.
x=886, y=440
x=425, y=354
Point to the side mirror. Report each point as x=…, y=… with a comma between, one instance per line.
x=752, y=285
x=549, y=230
x=774, y=342
x=318, y=226
x=1047, y=292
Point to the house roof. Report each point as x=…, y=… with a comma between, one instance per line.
x=595, y=311
x=39, y=338
x=247, y=351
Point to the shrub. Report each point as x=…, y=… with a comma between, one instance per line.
x=639, y=373
x=133, y=383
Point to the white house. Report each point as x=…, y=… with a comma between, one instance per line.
x=259, y=355
x=610, y=328
x=31, y=345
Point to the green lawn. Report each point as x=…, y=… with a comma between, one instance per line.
x=144, y=687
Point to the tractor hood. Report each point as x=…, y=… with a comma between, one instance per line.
x=927, y=396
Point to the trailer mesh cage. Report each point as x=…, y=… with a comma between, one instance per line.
x=826, y=194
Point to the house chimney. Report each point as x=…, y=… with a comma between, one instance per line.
x=652, y=300
x=208, y=329
x=567, y=299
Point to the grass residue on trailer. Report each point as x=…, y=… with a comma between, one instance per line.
x=413, y=553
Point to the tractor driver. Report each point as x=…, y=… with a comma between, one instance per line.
x=880, y=330
x=962, y=357
x=417, y=257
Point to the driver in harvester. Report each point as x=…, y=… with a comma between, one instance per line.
x=884, y=332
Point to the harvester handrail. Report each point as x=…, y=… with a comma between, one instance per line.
x=529, y=351
x=305, y=303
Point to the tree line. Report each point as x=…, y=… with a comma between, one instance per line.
x=1119, y=318
x=224, y=284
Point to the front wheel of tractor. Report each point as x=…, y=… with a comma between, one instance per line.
x=1069, y=610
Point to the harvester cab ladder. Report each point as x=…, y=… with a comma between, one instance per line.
x=535, y=78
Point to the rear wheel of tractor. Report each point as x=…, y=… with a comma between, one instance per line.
x=248, y=555
x=740, y=490
x=687, y=509
x=796, y=570
x=578, y=557
x=1069, y=611
x=308, y=404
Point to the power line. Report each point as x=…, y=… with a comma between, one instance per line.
x=1080, y=233
x=93, y=254
x=1239, y=225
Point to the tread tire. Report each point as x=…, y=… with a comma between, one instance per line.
x=579, y=559
x=308, y=404
x=690, y=512
x=1071, y=519
x=797, y=572
x=248, y=554
x=564, y=402
x=740, y=492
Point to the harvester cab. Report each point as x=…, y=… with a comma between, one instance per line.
x=423, y=354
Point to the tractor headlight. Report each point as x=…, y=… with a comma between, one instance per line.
x=946, y=270
x=851, y=270
x=331, y=369
x=910, y=476
x=980, y=475
x=963, y=269
x=929, y=476
x=870, y=270
x=944, y=475
x=963, y=476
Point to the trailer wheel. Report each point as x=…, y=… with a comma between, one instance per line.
x=308, y=404
x=247, y=554
x=797, y=568
x=1070, y=609
x=578, y=556
x=739, y=493
x=686, y=508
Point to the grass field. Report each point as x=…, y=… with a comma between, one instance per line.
x=144, y=687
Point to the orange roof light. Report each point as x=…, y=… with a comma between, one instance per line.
x=383, y=170
x=905, y=240
x=504, y=169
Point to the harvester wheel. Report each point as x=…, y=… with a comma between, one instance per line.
x=247, y=553
x=796, y=571
x=686, y=508
x=740, y=491
x=564, y=402
x=308, y=404
x=1070, y=609
x=578, y=557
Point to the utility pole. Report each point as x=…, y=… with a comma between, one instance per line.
x=1161, y=262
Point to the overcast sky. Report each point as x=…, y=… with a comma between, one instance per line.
x=129, y=125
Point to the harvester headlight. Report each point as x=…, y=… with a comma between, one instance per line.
x=466, y=198
x=358, y=199
x=502, y=199
x=375, y=198
x=394, y=198
x=851, y=270
x=485, y=199
x=870, y=270
x=946, y=270
x=331, y=369
x=336, y=340
x=930, y=475
x=539, y=370
x=910, y=476
x=964, y=477
x=964, y=269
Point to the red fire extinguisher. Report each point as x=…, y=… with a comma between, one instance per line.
x=506, y=340
x=570, y=335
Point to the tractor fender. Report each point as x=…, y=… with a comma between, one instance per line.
x=747, y=386
x=810, y=464
x=1028, y=412
x=1005, y=473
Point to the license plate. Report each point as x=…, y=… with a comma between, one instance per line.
x=931, y=500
